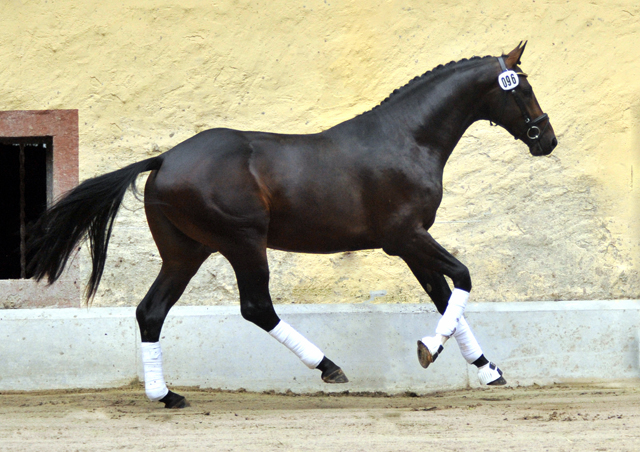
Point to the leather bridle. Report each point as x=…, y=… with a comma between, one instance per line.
x=533, y=131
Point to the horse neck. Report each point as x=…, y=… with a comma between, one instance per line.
x=439, y=109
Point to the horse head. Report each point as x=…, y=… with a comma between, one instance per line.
x=514, y=106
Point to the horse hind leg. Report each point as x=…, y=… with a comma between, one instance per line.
x=151, y=314
x=252, y=274
x=181, y=258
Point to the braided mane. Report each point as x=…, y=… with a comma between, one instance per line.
x=429, y=74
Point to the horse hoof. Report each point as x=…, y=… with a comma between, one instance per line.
x=425, y=356
x=336, y=376
x=173, y=400
x=491, y=375
x=499, y=382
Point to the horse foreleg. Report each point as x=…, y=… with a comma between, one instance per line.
x=438, y=290
x=429, y=347
x=451, y=306
x=256, y=306
x=419, y=249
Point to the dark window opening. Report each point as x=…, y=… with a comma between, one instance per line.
x=25, y=180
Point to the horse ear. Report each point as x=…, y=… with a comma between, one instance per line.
x=514, y=56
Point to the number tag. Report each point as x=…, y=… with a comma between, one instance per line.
x=508, y=80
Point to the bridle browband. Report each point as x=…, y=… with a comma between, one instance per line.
x=533, y=132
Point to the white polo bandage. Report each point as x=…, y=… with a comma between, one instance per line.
x=154, y=384
x=298, y=344
x=467, y=342
x=454, y=312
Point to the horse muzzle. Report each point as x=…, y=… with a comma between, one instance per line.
x=541, y=141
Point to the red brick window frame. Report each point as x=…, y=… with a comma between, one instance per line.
x=61, y=127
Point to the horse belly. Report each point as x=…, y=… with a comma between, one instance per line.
x=315, y=230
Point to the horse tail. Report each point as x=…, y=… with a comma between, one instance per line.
x=89, y=210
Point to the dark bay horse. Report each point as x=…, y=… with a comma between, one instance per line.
x=374, y=181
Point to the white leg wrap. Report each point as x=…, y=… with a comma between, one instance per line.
x=298, y=344
x=449, y=320
x=467, y=342
x=154, y=384
x=490, y=374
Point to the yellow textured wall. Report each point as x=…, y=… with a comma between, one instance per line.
x=146, y=75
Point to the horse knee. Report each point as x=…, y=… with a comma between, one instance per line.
x=261, y=314
x=442, y=306
x=461, y=278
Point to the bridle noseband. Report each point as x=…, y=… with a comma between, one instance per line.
x=533, y=132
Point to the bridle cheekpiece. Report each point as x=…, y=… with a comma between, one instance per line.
x=509, y=81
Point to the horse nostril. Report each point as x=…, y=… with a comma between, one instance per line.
x=554, y=143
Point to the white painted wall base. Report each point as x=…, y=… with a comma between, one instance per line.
x=213, y=347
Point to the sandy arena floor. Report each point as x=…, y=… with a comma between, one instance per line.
x=576, y=417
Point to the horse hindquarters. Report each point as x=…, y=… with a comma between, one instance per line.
x=245, y=249
x=208, y=190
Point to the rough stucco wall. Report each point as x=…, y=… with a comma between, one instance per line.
x=146, y=75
